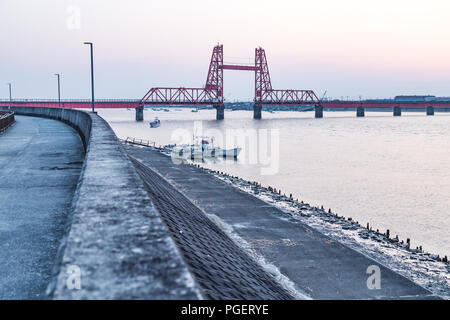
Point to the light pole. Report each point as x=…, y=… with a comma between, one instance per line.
x=59, y=90
x=92, y=72
x=10, y=96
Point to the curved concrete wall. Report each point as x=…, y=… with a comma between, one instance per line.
x=116, y=245
x=80, y=121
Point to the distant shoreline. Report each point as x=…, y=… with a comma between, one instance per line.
x=247, y=106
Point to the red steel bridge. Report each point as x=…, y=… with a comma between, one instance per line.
x=212, y=94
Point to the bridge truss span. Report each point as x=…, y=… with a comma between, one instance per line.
x=212, y=93
x=179, y=96
x=288, y=97
x=265, y=94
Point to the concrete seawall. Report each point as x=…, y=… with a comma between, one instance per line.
x=115, y=246
x=312, y=263
x=146, y=228
x=80, y=121
x=40, y=164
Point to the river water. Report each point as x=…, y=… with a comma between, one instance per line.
x=391, y=172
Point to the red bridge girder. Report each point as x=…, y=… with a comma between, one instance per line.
x=116, y=104
x=383, y=104
x=180, y=96
x=73, y=104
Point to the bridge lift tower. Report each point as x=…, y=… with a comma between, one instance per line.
x=212, y=93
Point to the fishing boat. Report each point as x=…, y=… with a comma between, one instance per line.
x=155, y=123
x=229, y=153
x=204, y=148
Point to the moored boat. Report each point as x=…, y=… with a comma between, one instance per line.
x=204, y=149
x=155, y=123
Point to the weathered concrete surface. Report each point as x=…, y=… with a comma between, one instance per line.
x=115, y=235
x=40, y=163
x=222, y=269
x=397, y=111
x=360, y=112
x=257, y=111
x=140, y=114
x=318, y=265
x=220, y=112
x=80, y=121
x=318, y=111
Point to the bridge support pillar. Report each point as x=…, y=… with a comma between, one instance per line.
x=140, y=113
x=318, y=110
x=220, y=112
x=397, y=111
x=430, y=111
x=257, y=111
x=360, y=112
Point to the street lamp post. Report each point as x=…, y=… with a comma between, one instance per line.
x=92, y=72
x=10, y=96
x=59, y=90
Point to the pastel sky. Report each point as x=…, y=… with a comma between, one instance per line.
x=349, y=47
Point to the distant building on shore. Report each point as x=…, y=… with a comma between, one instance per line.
x=427, y=98
x=414, y=98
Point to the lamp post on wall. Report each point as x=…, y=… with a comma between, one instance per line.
x=92, y=72
x=10, y=96
x=59, y=90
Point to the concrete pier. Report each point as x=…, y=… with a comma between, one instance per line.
x=257, y=111
x=318, y=111
x=140, y=113
x=430, y=111
x=220, y=112
x=317, y=265
x=360, y=112
x=222, y=269
x=397, y=111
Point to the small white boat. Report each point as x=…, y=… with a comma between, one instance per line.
x=230, y=153
x=187, y=152
x=219, y=152
x=204, y=149
x=155, y=123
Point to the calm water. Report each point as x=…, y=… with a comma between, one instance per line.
x=391, y=172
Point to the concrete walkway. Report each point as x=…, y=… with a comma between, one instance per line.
x=40, y=163
x=223, y=271
x=318, y=265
